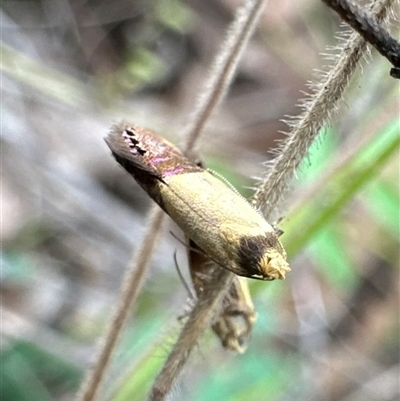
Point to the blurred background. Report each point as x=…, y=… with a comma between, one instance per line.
x=71, y=217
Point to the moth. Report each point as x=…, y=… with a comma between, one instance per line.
x=218, y=220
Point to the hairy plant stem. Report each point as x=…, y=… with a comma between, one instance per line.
x=222, y=70
x=216, y=86
x=198, y=321
x=318, y=109
x=131, y=286
x=368, y=28
x=214, y=90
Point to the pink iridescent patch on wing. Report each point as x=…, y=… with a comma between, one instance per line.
x=174, y=171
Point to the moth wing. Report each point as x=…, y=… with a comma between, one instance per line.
x=125, y=157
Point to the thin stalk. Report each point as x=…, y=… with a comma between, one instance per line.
x=215, y=89
x=197, y=323
x=318, y=109
x=222, y=70
x=221, y=75
x=131, y=286
x=374, y=33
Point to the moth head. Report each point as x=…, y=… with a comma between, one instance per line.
x=273, y=264
x=262, y=257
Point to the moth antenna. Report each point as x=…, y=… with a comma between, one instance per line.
x=226, y=181
x=189, y=247
x=183, y=281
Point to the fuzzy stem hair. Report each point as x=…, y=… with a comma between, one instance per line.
x=215, y=89
x=131, y=286
x=318, y=108
x=222, y=70
x=217, y=84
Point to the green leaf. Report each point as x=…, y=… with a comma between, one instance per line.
x=29, y=373
x=303, y=223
